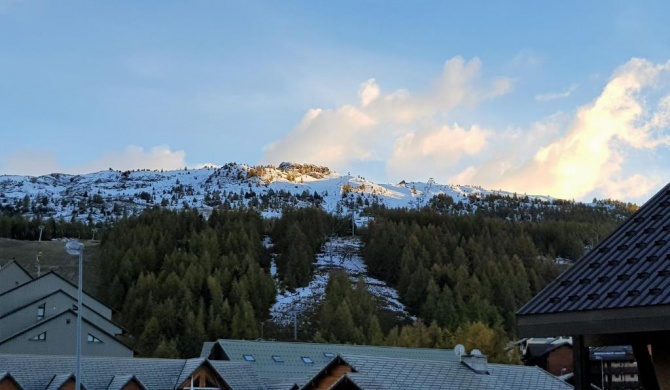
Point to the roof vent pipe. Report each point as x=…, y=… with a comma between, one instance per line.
x=476, y=361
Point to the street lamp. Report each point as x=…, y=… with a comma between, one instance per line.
x=76, y=248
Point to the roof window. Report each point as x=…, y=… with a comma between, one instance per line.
x=632, y=260
x=652, y=258
x=622, y=277
x=307, y=360
x=329, y=354
x=633, y=293
x=603, y=279
x=643, y=275
x=612, y=263
x=277, y=359
x=584, y=281
x=593, y=296
x=603, y=249
x=641, y=245
x=622, y=247
x=630, y=233
x=613, y=294
x=649, y=230
x=654, y=291
x=657, y=217
x=249, y=358
x=566, y=282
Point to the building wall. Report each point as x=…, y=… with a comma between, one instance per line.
x=60, y=340
x=559, y=361
x=331, y=377
x=11, y=276
x=43, y=286
x=8, y=384
x=54, y=304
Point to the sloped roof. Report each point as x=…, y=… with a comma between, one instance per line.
x=395, y=373
x=99, y=373
x=14, y=263
x=57, y=316
x=293, y=369
x=628, y=269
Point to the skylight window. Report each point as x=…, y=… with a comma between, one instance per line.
x=92, y=339
x=307, y=360
x=277, y=359
x=329, y=354
x=249, y=358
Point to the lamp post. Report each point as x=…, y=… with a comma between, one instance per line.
x=76, y=248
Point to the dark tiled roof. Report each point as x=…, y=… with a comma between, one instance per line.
x=630, y=268
x=397, y=374
x=293, y=369
x=35, y=372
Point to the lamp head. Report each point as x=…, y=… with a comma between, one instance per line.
x=74, y=247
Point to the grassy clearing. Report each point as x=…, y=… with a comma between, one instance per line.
x=53, y=258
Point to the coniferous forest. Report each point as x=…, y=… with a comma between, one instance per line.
x=177, y=278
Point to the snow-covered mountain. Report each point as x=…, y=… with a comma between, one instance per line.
x=107, y=195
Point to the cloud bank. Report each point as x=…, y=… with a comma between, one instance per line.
x=567, y=155
x=397, y=127
x=589, y=155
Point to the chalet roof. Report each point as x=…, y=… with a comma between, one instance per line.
x=14, y=263
x=397, y=373
x=119, y=381
x=100, y=373
x=295, y=357
x=53, y=274
x=630, y=269
x=57, y=316
x=74, y=299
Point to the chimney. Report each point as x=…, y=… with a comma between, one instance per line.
x=476, y=362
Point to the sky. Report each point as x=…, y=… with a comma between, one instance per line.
x=569, y=99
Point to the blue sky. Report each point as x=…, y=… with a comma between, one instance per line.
x=567, y=99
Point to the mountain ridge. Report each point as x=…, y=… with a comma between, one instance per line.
x=107, y=195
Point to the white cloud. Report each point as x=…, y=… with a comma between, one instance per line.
x=590, y=154
x=34, y=162
x=556, y=95
x=395, y=127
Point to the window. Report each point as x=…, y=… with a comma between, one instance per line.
x=249, y=358
x=329, y=354
x=40, y=311
x=307, y=360
x=40, y=337
x=93, y=339
x=277, y=359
